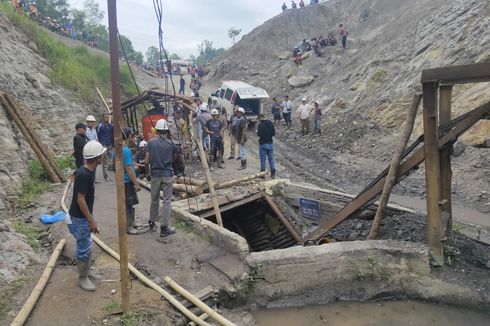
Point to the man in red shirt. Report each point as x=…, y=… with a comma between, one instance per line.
x=343, y=35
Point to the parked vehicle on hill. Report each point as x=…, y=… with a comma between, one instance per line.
x=234, y=92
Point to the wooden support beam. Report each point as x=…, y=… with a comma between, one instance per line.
x=432, y=172
x=230, y=183
x=445, y=93
x=472, y=73
x=297, y=237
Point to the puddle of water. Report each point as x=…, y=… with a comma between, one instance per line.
x=462, y=214
x=399, y=313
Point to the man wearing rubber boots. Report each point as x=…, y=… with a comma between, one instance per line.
x=80, y=220
x=159, y=162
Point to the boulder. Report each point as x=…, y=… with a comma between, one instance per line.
x=300, y=81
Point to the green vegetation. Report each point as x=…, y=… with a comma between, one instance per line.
x=137, y=317
x=74, y=68
x=30, y=232
x=7, y=297
x=113, y=307
x=184, y=226
x=31, y=190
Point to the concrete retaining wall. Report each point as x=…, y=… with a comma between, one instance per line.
x=295, y=271
x=221, y=237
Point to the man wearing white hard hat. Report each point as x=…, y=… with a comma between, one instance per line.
x=159, y=162
x=80, y=220
x=241, y=137
x=303, y=113
x=91, y=133
x=139, y=159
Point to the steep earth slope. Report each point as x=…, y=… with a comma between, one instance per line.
x=390, y=42
x=365, y=91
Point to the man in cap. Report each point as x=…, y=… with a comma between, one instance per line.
x=287, y=108
x=232, y=131
x=105, y=132
x=79, y=142
x=265, y=132
x=215, y=129
x=203, y=118
x=80, y=219
x=178, y=133
x=159, y=162
x=241, y=137
x=303, y=113
x=91, y=133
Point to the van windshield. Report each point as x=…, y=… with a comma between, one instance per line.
x=251, y=106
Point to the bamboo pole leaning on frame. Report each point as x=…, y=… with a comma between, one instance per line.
x=198, y=303
x=207, y=173
x=31, y=301
x=395, y=165
x=152, y=285
x=229, y=183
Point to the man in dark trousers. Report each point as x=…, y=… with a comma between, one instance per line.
x=265, y=132
x=78, y=142
x=80, y=219
x=159, y=162
x=182, y=85
x=241, y=137
x=105, y=132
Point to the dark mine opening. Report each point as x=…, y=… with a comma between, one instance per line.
x=254, y=219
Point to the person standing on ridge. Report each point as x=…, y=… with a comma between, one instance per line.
x=287, y=108
x=182, y=85
x=79, y=142
x=318, y=117
x=293, y=5
x=265, y=132
x=284, y=7
x=105, y=132
x=304, y=112
x=343, y=35
x=276, y=111
x=80, y=219
x=91, y=133
x=232, y=132
x=241, y=137
x=301, y=4
x=159, y=162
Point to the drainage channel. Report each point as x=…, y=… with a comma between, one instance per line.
x=258, y=220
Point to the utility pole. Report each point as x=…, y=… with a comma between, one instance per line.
x=116, y=112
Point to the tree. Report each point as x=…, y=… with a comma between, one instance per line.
x=207, y=52
x=78, y=19
x=234, y=32
x=174, y=56
x=93, y=12
x=57, y=9
x=152, y=55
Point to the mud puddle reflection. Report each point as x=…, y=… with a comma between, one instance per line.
x=399, y=313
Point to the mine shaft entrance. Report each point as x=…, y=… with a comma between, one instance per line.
x=259, y=221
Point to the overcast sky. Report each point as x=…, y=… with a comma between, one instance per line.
x=188, y=22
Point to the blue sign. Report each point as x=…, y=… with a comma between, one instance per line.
x=310, y=209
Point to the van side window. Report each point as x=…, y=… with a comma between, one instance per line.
x=222, y=93
x=228, y=94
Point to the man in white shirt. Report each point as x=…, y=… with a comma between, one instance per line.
x=91, y=133
x=287, y=108
x=303, y=113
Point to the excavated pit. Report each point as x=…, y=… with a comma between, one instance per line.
x=254, y=219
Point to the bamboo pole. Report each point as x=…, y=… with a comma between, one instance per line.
x=225, y=184
x=44, y=149
x=105, y=103
x=198, y=303
x=207, y=173
x=395, y=165
x=35, y=147
x=151, y=284
x=31, y=301
x=139, y=275
x=204, y=316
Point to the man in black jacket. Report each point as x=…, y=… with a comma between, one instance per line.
x=78, y=142
x=265, y=132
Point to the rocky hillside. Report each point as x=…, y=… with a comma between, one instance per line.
x=25, y=75
x=390, y=42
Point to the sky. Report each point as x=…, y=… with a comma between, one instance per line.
x=186, y=23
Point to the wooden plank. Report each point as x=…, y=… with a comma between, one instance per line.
x=230, y=206
x=445, y=93
x=297, y=237
x=472, y=73
x=413, y=161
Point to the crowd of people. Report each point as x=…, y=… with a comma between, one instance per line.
x=62, y=27
x=301, y=4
